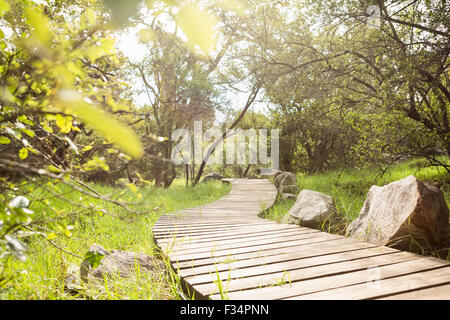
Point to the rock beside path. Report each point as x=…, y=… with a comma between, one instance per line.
x=212, y=177
x=312, y=209
x=118, y=263
x=403, y=214
x=111, y=264
x=286, y=183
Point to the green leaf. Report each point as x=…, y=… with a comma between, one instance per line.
x=132, y=187
x=96, y=163
x=64, y=123
x=52, y=168
x=28, y=132
x=51, y=236
x=109, y=127
x=23, y=153
x=24, y=119
x=112, y=129
x=40, y=24
x=4, y=6
x=4, y=140
x=94, y=258
x=87, y=148
x=198, y=25
x=47, y=128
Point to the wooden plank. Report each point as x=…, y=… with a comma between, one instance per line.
x=197, y=235
x=207, y=220
x=230, y=215
x=200, y=232
x=297, y=290
x=272, y=245
x=185, y=217
x=311, y=272
x=208, y=235
x=203, y=222
x=263, y=230
x=171, y=229
x=441, y=292
x=223, y=213
x=234, y=210
x=305, y=251
x=281, y=267
x=245, y=256
x=386, y=286
x=224, y=235
x=247, y=244
x=220, y=246
x=218, y=243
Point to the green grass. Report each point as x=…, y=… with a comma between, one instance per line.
x=42, y=276
x=349, y=187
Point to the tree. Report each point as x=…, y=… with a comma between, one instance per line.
x=344, y=87
x=403, y=63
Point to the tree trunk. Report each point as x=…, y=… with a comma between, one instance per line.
x=246, y=170
x=249, y=102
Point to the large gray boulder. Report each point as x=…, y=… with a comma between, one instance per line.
x=402, y=214
x=312, y=209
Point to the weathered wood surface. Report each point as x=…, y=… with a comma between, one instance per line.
x=226, y=243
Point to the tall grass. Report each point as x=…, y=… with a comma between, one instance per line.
x=42, y=276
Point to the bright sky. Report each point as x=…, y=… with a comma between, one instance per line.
x=128, y=43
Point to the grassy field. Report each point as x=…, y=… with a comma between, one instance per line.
x=42, y=275
x=349, y=188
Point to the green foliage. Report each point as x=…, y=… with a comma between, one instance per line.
x=4, y=140
x=56, y=77
x=346, y=93
x=60, y=77
x=94, y=258
x=51, y=89
x=43, y=276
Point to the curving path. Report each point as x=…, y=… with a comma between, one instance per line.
x=223, y=250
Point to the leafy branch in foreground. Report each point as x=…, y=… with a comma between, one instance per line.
x=57, y=78
x=66, y=114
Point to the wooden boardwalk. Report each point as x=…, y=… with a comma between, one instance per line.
x=226, y=245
